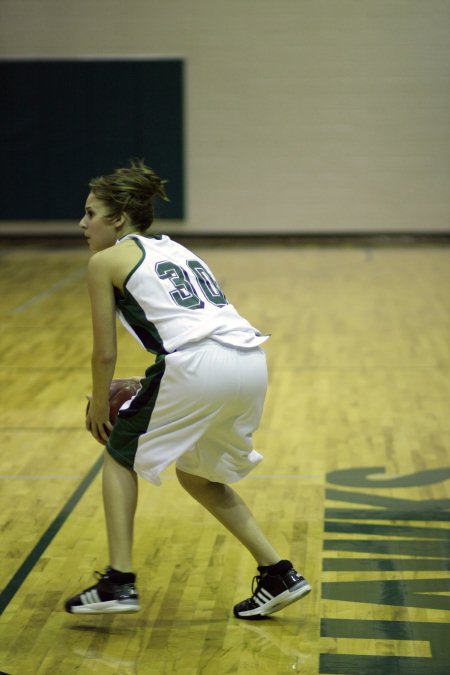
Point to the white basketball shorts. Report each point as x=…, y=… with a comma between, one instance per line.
x=198, y=407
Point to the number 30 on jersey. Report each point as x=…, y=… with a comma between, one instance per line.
x=184, y=293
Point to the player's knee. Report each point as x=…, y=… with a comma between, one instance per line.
x=190, y=482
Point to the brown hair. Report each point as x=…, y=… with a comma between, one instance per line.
x=132, y=191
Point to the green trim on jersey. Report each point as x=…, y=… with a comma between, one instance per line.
x=135, y=239
x=138, y=264
x=134, y=421
x=134, y=315
x=141, y=326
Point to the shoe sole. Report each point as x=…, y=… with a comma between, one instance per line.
x=279, y=602
x=112, y=607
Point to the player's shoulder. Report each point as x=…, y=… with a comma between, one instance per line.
x=101, y=259
x=115, y=263
x=104, y=263
x=114, y=253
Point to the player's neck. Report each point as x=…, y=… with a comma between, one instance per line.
x=126, y=230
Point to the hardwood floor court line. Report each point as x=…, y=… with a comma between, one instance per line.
x=65, y=281
x=27, y=566
x=40, y=429
x=43, y=477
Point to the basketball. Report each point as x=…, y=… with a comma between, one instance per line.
x=120, y=391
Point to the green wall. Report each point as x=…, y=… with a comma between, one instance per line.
x=64, y=121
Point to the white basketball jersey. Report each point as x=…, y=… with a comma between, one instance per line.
x=172, y=299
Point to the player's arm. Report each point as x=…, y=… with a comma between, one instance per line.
x=104, y=352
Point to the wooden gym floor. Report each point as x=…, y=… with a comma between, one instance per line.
x=353, y=487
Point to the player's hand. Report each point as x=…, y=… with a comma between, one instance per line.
x=97, y=421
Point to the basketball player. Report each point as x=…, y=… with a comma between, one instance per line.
x=198, y=404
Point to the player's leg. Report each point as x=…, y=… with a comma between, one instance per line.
x=230, y=510
x=115, y=590
x=120, y=490
x=279, y=584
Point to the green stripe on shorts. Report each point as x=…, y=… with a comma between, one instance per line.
x=134, y=421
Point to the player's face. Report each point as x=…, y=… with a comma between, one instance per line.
x=100, y=232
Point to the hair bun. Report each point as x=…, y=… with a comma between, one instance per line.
x=131, y=190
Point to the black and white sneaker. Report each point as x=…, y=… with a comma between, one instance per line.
x=276, y=587
x=115, y=592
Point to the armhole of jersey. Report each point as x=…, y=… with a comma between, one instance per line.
x=138, y=264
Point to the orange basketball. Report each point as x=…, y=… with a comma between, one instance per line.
x=120, y=391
